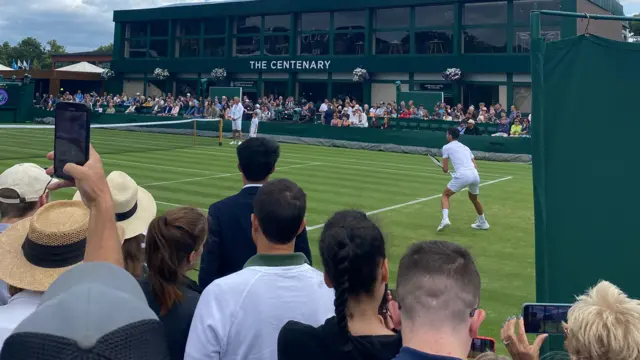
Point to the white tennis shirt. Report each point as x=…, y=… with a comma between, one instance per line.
x=460, y=157
x=236, y=111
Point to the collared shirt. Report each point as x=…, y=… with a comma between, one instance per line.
x=460, y=156
x=407, y=353
x=19, y=307
x=239, y=316
x=236, y=112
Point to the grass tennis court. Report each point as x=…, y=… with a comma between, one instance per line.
x=400, y=191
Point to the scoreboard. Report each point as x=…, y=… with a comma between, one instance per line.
x=9, y=95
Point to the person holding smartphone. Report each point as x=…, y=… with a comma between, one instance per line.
x=353, y=254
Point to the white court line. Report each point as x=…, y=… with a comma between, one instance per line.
x=156, y=166
x=177, y=205
x=220, y=175
x=309, y=228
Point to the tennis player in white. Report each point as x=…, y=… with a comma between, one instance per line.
x=236, y=112
x=466, y=176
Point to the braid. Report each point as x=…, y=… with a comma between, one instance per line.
x=342, y=290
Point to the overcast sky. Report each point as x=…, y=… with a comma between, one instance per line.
x=82, y=25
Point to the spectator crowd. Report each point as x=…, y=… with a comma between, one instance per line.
x=105, y=277
x=345, y=112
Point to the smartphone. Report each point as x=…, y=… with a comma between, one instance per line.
x=481, y=345
x=72, y=134
x=383, y=308
x=545, y=318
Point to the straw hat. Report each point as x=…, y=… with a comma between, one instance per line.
x=36, y=250
x=135, y=206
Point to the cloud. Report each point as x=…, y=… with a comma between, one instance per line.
x=79, y=25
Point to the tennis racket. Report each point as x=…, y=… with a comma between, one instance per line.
x=437, y=162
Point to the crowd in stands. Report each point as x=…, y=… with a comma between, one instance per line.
x=337, y=112
x=105, y=277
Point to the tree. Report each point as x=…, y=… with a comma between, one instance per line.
x=30, y=49
x=105, y=48
x=55, y=48
x=635, y=26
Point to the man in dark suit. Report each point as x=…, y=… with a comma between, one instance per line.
x=230, y=244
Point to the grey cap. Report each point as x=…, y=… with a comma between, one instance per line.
x=94, y=308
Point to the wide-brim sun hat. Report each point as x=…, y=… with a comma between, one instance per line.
x=36, y=250
x=135, y=207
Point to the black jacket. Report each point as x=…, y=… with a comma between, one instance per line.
x=177, y=321
x=299, y=341
x=472, y=131
x=230, y=244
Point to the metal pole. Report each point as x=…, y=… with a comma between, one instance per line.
x=583, y=15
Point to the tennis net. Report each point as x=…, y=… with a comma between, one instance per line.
x=34, y=141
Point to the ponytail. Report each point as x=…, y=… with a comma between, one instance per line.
x=171, y=239
x=341, y=287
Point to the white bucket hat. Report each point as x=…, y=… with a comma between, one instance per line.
x=135, y=206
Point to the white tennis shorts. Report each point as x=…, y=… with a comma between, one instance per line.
x=236, y=125
x=253, y=132
x=461, y=181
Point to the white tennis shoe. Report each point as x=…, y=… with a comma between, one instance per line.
x=445, y=223
x=480, y=225
x=232, y=142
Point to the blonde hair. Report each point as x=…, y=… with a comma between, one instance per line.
x=604, y=324
x=491, y=356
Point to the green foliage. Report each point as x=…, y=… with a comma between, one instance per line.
x=105, y=48
x=31, y=49
x=635, y=25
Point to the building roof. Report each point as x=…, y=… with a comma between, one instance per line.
x=205, y=2
x=5, y=68
x=85, y=53
x=83, y=67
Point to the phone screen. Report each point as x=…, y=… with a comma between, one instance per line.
x=545, y=318
x=71, y=138
x=481, y=345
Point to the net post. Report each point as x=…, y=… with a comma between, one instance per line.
x=220, y=123
x=195, y=131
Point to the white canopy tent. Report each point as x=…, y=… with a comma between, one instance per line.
x=83, y=67
x=5, y=68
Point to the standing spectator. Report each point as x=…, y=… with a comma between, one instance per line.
x=79, y=97
x=236, y=113
x=23, y=190
x=471, y=128
x=135, y=207
x=354, y=258
x=513, y=114
x=329, y=114
x=230, y=243
x=499, y=111
x=174, y=247
x=239, y=316
x=324, y=106
x=439, y=281
x=34, y=252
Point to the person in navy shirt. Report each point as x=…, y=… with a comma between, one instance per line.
x=438, y=292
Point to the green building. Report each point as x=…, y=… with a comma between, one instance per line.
x=310, y=48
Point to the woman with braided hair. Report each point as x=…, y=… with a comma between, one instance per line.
x=353, y=254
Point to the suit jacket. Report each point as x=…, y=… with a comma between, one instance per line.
x=230, y=244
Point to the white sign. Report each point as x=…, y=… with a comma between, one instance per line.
x=290, y=65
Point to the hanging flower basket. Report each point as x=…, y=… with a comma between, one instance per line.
x=160, y=74
x=107, y=73
x=452, y=74
x=360, y=75
x=218, y=74
x=26, y=78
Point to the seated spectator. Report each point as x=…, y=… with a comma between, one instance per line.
x=157, y=107
x=415, y=114
x=239, y=316
x=230, y=245
x=266, y=114
x=354, y=260
x=358, y=119
x=471, y=128
x=516, y=128
x=27, y=251
x=462, y=127
x=447, y=117
x=190, y=110
x=131, y=109
x=23, y=190
x=336, y=120
x=174, y=246
x=503, y=129
x=135, y=207
x=175, y=110
x=525, y=127
x=439, y=281
x=405, y=114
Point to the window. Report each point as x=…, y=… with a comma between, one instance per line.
x=522, y=37
x=392, y=42
x=248, y=25
x=313, y=44
x=215, y=26
x=137, y=29
x=314, y=92
x=348, y=43
x=159, y=28
x=275, y=88
x=246, y=46
x=353, y=90
x=189, y=28
x=485, y=13
x=214, y=47
x=314, y=22
x=433, y=42
x=188, y=47
x=276, y=45
x=522, y=98
x=158, y=48
x=184, y=87
x=136, y=48
x=277, y=23
x=522, y=10
x=391, y=18
x=485, y=40
x=350, y=20
x=437, y=15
